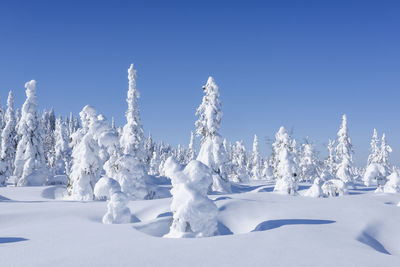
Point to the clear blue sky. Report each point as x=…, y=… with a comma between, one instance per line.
x=300, y=64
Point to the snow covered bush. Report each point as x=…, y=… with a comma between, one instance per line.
x=117, y=210
x=334, y=188
x=212, y=152
x=286, y=171
x=375, y=174
x=30, y=165
x=105, y=187
x=393, y=183
x=316, y=189
x=194, y=214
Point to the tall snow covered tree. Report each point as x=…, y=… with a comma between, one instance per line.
x=285, y=169
x=256, y=167
x=344, y=154
x=132, y=170
x=132, y=138
x=30, y=165
x=8, y=142
x=212, y=151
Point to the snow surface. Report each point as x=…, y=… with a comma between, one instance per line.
x=257, y=228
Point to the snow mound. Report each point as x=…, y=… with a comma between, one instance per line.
x=316, y=189
x=194, y=214
x=105, y=187
x=393, y=183
x=117, y=210
x=334, y=188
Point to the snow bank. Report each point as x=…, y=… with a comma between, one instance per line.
x=194, y=214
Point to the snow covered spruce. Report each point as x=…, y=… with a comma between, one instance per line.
x=88, y=153
x=194, y=214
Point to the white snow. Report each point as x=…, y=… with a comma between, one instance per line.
x=256, y=228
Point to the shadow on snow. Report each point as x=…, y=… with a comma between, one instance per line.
x=272, y=224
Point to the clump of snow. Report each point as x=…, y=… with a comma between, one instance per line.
x=334, y=188
x=117, y=210
x=194, y=214
x=316, y=189
x=393, y=183
x=105, y=187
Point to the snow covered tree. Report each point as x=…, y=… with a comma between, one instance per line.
x=132, y=171
x=384, y=151
x=344, y=154
x=62, y=151
x=330, y=163
x=8, y=142
x=374, y=149
x=86, y=163
x=191, y=152
x=393, y=183
x=239, y=162
x=132, y=137
x=256, y=168
x=155, y=164
x=285, y=171
x=194, y=214
x=30, y=165
x=308, y=162
x=48, y=122
x=267, y=171
x=212, y=151
x=117, y=209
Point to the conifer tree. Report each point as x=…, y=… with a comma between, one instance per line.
x=344, y=154
x=212, y=152
x=30, y=165
x=8, y=141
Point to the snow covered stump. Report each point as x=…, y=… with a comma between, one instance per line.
x=194, y=214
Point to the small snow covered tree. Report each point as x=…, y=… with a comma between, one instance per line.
x=191, y=152
x=374, y=149
x=8, y=142
x=86, y=163
x=155, y=164
x=308, y=162
x=194, y=214
x=344, y=154
x=384, y=151
x=117, y=209
x=212, y=151
x=62, y=151
x=330, y=163
x=267, y=171
x=286, y=171
x=132, y=138
x=239, y=162
x=30, y=165
x=256, y=168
